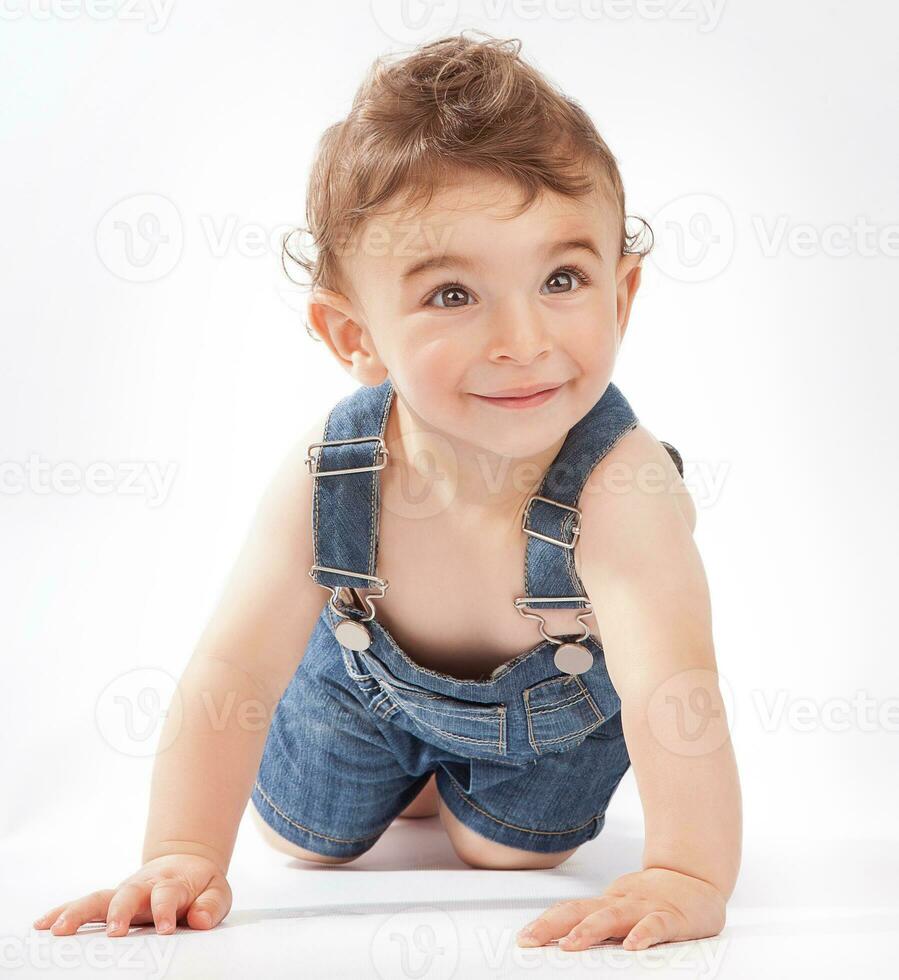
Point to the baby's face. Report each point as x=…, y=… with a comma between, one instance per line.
x=461, y=301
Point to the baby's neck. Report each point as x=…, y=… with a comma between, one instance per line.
x=434, y=472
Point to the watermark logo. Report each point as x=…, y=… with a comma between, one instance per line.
x=133, y=708
x=691, y=711
x=40, y=953
x=695, y=238
x=835, y=240
x=425, y=476
x=142, y=478
x=153, y=14
x=250, y=240
x=860, y=713
x=420, y=942
x=140, y=238
x=706, y=14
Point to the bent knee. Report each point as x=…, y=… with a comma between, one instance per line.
x=479, y=852
x=491, y=856
x=279, y=843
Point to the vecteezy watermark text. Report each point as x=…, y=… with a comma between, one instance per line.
x=142, y=478
x=153, y=14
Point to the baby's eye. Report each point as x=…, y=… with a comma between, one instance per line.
x=570, y=274
x=451, y=294
x=450, y=289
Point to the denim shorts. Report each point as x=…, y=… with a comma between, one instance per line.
x=529, y=758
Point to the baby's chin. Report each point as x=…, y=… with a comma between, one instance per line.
x=516, y=434
x=525, y=429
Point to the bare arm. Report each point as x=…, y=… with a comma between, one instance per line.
x=640, y=568
x=648, y=587
x=216, y=727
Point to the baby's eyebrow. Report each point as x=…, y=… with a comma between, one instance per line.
x=445, y=259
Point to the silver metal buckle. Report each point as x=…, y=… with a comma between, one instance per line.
x=382, y=455
x=379, y=583
x=575, y=531
x=525, y=600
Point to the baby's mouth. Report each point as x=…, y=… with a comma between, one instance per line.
x=521, y=401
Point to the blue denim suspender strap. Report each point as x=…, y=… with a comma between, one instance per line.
x=346, y=507
x=552, y=520
x=346, y=496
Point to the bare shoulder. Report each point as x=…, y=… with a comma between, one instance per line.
x=640, y=566
x=639, y=461
x=634, y=499
x=287, y=498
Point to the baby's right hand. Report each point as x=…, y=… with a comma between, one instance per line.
x=170, y=887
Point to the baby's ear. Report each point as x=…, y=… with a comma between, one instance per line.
x=628, y=262
x=332, y=317
x=323, y=305
x=627, y=283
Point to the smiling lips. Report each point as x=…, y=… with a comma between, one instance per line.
x=528, y=397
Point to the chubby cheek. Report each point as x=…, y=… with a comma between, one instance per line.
x=592, y=351
x=432, y=376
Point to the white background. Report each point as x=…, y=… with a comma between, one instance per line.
x=758, y=138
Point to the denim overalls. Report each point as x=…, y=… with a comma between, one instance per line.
x=528, y=756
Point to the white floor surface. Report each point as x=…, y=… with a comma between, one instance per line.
x=410, y=909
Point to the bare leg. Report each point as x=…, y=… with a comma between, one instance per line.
x=425, y=804
x=479, y=852
x=280, y=843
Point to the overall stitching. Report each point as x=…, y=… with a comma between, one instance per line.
x=499, y=743
x=549, y=709
x=315, y=833
x=367, y=680
x=527, y=830
x=376, y=490
x=315, y=500
x=561, y=681
x=568, y=522
x=531, y=712
x=582, y=693
x=378, y=701
x=491, y=715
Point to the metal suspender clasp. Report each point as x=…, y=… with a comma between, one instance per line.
x=382, y=456
x=377, y=583
x=350, y=631
x=524, y=600
x=575, y=531
x=569, y=658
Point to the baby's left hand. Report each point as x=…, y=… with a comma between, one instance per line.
x=647, y=907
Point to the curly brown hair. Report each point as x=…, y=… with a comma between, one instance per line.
x=418, y=120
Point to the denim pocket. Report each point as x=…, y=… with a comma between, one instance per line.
x=610, y=728
x=560, y=713
x=466, y=727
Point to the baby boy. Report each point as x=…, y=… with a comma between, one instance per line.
x=484, y=493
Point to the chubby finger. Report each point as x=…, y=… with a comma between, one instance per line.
x=612, y=921
x=211, y=905
x=656, y=927
x=73, y=915
x=130, y=904
x=48, y=918
x=166, y=897
x=556, y=921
